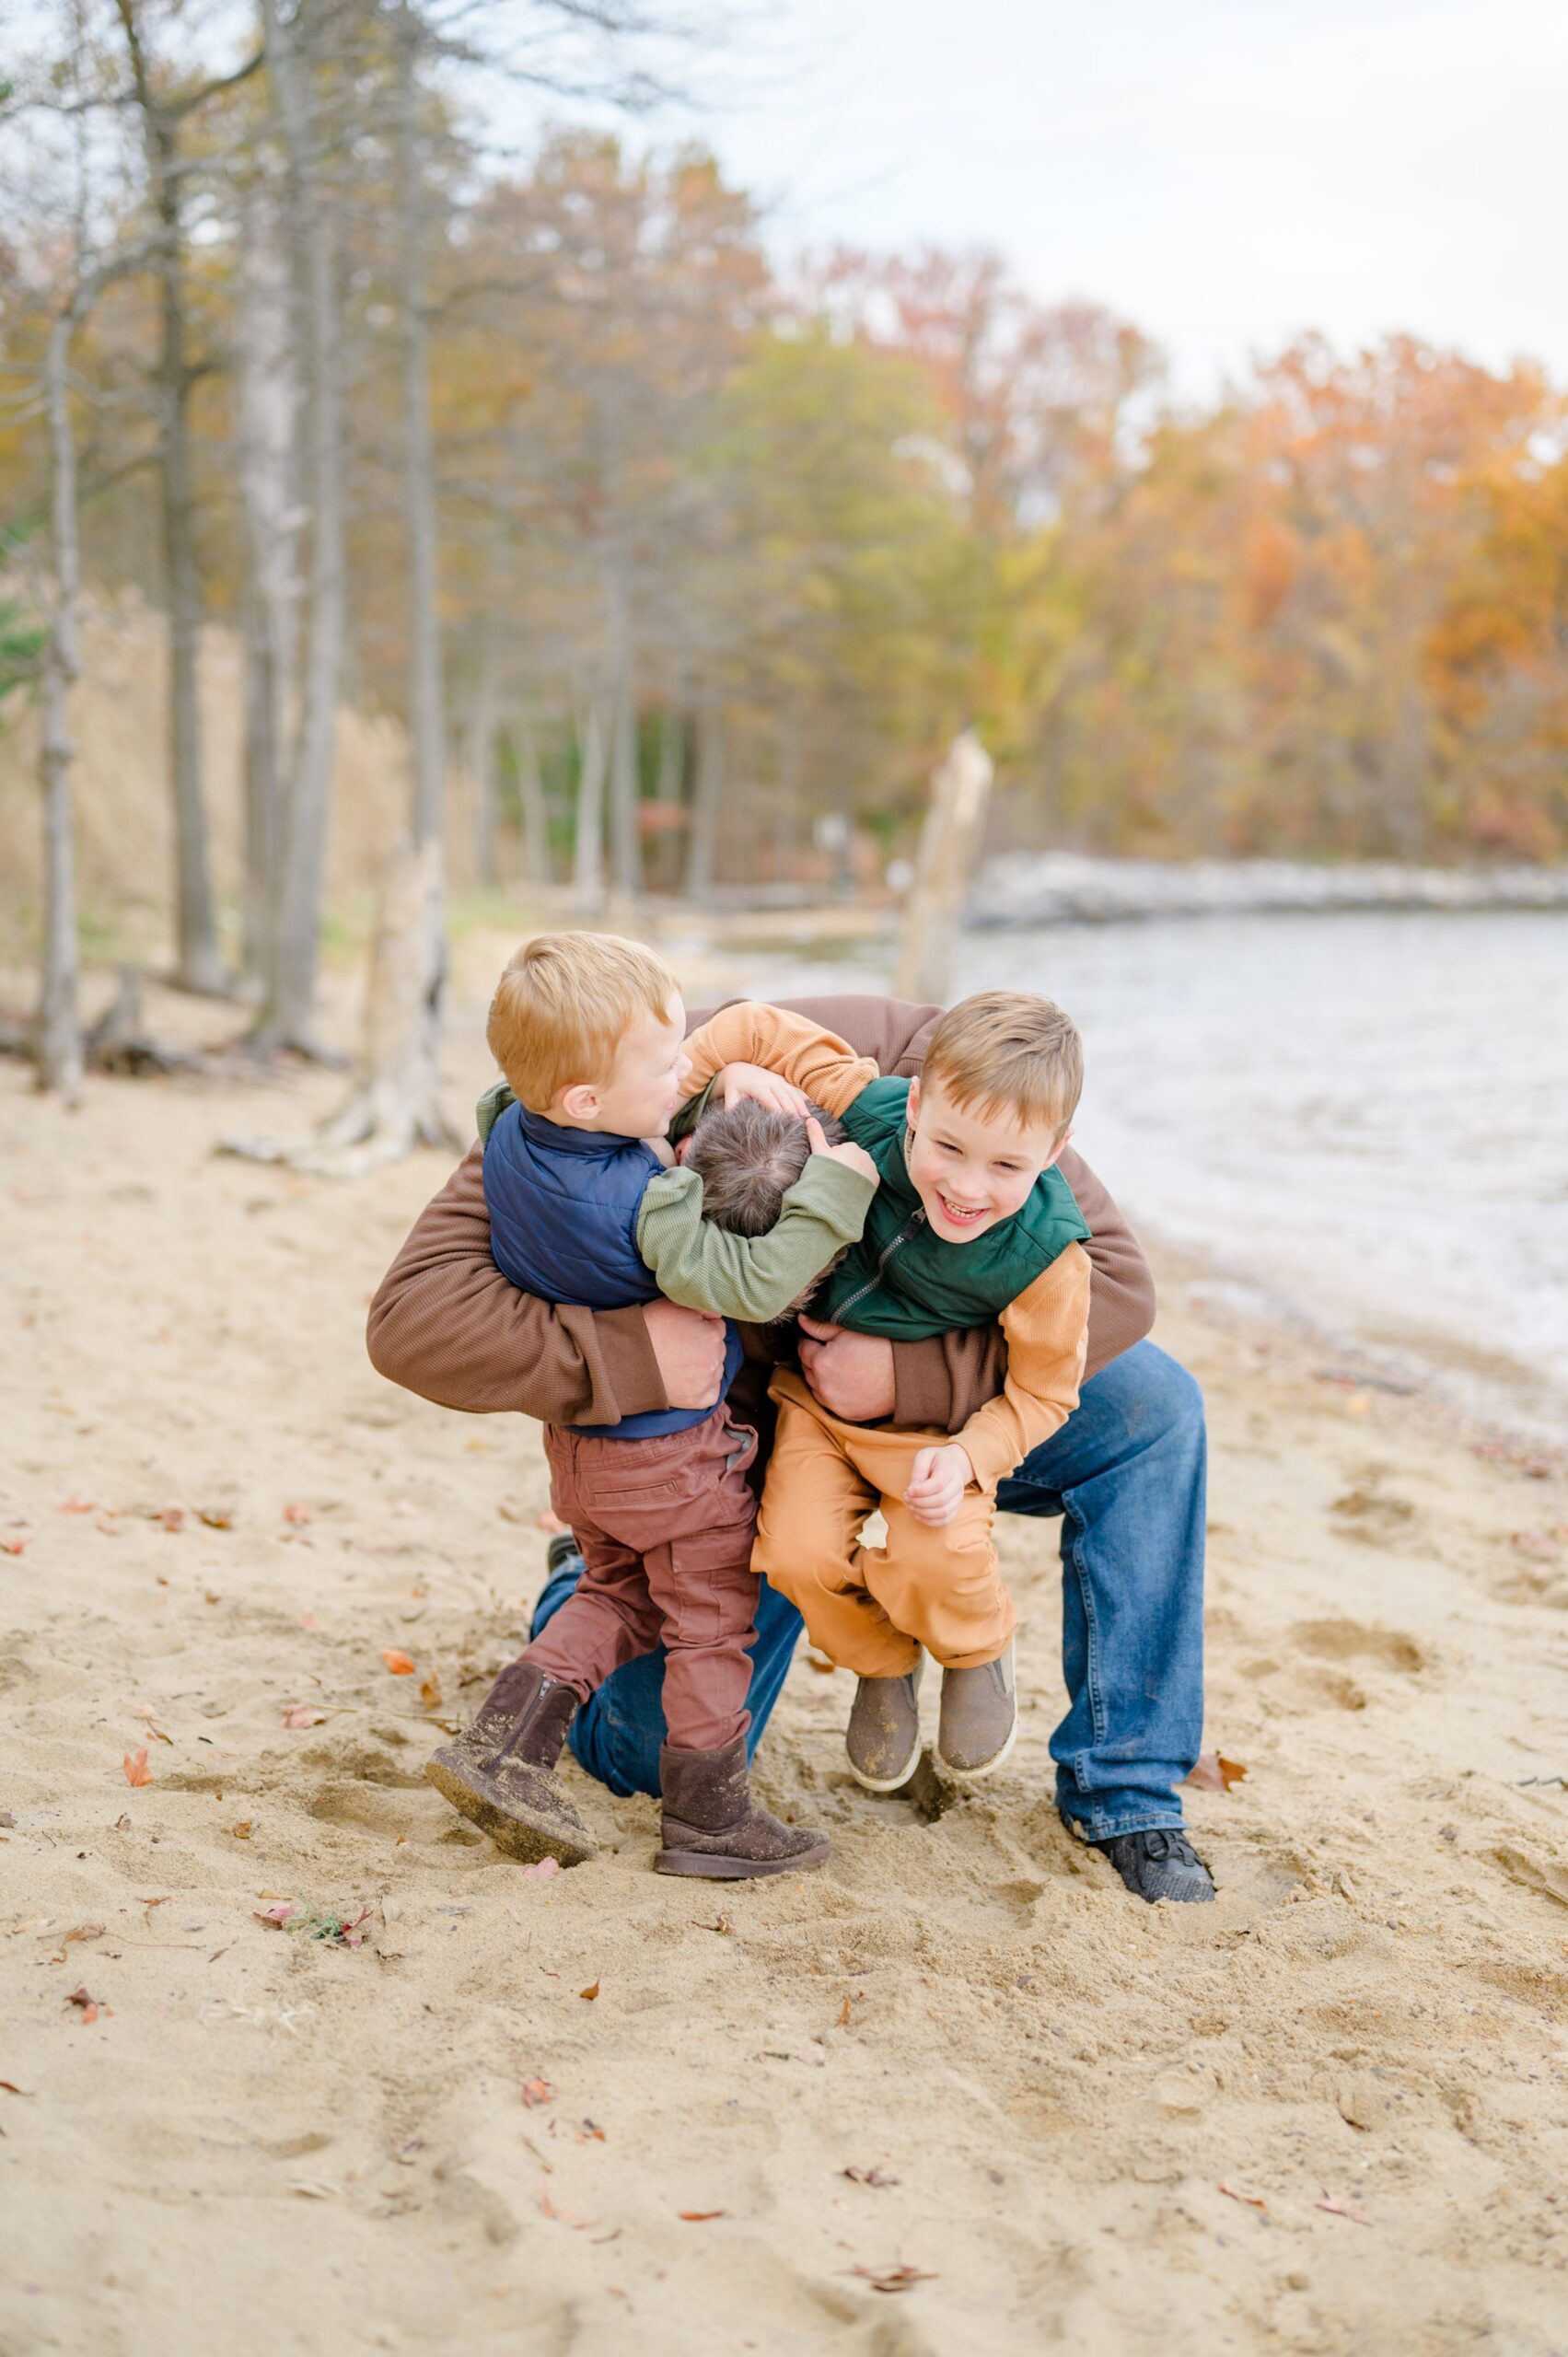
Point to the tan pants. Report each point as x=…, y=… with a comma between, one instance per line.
x=871, y=1609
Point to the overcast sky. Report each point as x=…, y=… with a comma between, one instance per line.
x=1224, y=171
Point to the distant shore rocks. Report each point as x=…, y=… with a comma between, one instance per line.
x=1060, y=888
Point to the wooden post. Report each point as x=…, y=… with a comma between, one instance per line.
x=949, y=840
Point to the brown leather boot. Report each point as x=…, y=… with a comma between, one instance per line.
x=712, y=1825
x=500, y=1771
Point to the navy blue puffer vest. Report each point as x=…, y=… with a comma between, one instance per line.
x=562, y=1208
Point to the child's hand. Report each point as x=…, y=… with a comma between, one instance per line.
x=938, y=1484
x=853, y=1156
x=738, y=1081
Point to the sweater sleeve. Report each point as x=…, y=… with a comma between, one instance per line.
x=1045, y=1330
x=821, y=1063
x=446, y=1323
x=757, y=1278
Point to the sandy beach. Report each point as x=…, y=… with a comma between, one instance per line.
x=957, y=2092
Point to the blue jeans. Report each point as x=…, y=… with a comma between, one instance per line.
x=1126, y=1474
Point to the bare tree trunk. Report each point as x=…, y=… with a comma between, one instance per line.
x=59, y=1017
x=538, y=866
x=625, y=848
x=198, y=965
x=949, y=840
x=268, y=403
x=482, y=746
x=587, y=865
x=707, y=792
x=290, y=999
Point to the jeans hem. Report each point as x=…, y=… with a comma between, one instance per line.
x=1096, y=1827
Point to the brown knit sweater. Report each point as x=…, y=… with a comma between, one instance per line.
x=446, y=1323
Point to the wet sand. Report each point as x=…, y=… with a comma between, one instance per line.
x=961, y=2050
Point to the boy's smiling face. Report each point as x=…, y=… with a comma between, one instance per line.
x=645, y=1085
x=972, y=1167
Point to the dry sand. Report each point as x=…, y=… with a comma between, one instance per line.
x=1096, y=2126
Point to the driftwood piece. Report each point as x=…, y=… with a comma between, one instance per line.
x=949, y=842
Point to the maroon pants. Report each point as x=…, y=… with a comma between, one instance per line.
x=665, y=1527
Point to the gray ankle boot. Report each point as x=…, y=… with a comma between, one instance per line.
x=509, y=1789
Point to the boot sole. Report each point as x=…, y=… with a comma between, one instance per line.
x=987, y=1768
x=707, y=1866
x=516, y=1833
x=885, y=1783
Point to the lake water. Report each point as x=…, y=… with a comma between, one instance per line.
x=1364, y=1116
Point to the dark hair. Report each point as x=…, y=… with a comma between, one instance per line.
x=747, y=1157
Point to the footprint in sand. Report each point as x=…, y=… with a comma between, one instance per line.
x=1546, y=1876
x=1365, y=1511
x=1343, y=1640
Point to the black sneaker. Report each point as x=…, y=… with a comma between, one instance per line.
x=562, y=1544
x=1160, y=1865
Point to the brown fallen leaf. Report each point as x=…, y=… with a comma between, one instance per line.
x=700, y=2217
x=241, y=1831
x=876, y=2177
x=397, y=1661
x=85, y=1931
x=1253, y=2201
x=841, y=2019
x=87, y=2006
x=135, y=1766
x=536, y=2091
x=1216, y=1773
x=590, y=1992
x=901, y=2278
x=1339, y=2205
x=823, y=1668
x=215, y=1517
x=590, y=2132
x=123, y=1823
x=301, y=1714
x=722, y=1925
x=12, y=2089
x=430, y=1690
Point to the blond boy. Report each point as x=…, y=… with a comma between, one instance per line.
x=972, y=1221
x=585, y=1209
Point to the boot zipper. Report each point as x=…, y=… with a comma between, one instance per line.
x=916, y=1221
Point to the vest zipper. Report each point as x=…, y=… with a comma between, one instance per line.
x=915, y=1220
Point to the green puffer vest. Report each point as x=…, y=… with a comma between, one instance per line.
x=902, y=1280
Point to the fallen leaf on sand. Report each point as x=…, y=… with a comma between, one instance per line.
x=590, y=1992
x=1238, y=2193
x=294, y=1512
x=541, y=1871
x=722, y=1925
x=85, y=1931
x=85, y=2005
x=215, y=1517
x=12, y=2089
x=135, y=1766
x=397, y=1661
x=536, y=2091
x=700, y=2217
x=123, y=1823
x=563, y=2217
x=876, y=2177
x=590, y=2132
x=841, y=2020
x=76, y=1504
x=901, y=2278
x=430, y=1690
x=1339, y=2205
x=277, y=1916
x=13, y=1546
x=241, y=1831
x=1216, y=1773
x=301, y=1714
x=170, y=1518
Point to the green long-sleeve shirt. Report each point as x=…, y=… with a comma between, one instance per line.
x=754, y=1278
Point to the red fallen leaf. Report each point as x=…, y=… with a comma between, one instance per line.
x=85, y=2005
x=171, y=1518
x=1339, y=2205
x=135, y=1766
x=700, y=2217
x=1253, y=2201
x=295, y=1511
x=564, y=2217
x=901, y=2278
x=1214, y=1774
x=13, y=1546
x=397, y=1661
x=277, y=1915
x=590, y=2132
x=590, y=1993
x=536, y=2091
x=75, y=1505
x=12, y=2089
x=869, y=2176
x=301, y=1714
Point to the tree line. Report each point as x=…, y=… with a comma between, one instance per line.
x=688, y=553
